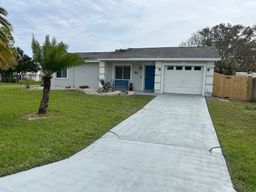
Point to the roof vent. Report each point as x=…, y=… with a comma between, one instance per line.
x=120, y=50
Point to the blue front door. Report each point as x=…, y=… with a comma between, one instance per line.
x=149, y=78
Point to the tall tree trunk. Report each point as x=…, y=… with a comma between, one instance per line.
x=45, y=98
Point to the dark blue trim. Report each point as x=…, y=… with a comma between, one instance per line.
x=149, y=77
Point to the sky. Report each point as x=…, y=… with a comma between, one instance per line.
x=106, y=25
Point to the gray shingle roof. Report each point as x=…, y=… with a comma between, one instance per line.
x=157, y=52
x=93, y=55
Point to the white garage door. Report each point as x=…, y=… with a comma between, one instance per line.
x=183, y=79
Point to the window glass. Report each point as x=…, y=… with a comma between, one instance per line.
x=123, y=72
x=178, y=67
x=187, y=68
x=62, y=73
x=126, y=73
x=197, y=68
x=169, y=67
x=119, y=72
x=58, y=74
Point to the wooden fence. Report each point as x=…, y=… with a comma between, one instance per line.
x=233, y=87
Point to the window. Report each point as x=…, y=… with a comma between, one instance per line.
x=178, y=67
x=188, y=68
x=63, y=73
x=197, y=68
x=169, y=67
x=123, y=72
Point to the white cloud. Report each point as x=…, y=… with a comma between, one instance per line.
x=97, y=25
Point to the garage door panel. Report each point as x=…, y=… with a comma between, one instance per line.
x=183, y=89
x=183, y=81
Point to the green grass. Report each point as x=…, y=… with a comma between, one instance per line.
x=23, y=82
x=235, y=123
x=31, y=82
x=75, y=120
x=18, y=85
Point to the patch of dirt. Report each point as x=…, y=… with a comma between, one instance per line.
x=114, y=93
x=225, y=100
x=218, y=99
x=35, y=116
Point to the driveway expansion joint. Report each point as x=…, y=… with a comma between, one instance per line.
x=166, y=144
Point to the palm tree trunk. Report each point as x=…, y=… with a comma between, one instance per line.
x=45, y=98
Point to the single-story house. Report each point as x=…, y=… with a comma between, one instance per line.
x=183, y=70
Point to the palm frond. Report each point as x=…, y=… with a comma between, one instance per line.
x=6, y=35
x=5, y=23
x=3, y=36
x=36, y=50
x=54, y=42
x=7, y=58
x=54, y=55
x=3, y=11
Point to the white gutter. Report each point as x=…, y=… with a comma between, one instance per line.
x=160, y=59
x=91, y=61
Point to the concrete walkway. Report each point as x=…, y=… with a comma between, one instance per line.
x=163, y=147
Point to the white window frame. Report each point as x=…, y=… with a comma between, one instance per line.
x=122, y=65
x=61, y=77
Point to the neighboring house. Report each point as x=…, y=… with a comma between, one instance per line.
x=187, y=70
x=34, y=76
x=252, y=74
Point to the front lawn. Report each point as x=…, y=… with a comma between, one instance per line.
x=74, y=121
x=235, y=123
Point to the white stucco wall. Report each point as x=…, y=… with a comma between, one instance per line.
x=89, y=73
x=136, y=72
x=209, y=78
x=158, y=77
x=82, y=75
x=64, y=82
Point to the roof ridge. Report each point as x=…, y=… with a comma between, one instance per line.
x=169, y=47
x=90, y=52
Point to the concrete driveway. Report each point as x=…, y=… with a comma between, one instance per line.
x=163, y=147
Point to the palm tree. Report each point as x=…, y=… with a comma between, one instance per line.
x=6, y=53
x=6, y=56
x=51, y=56
x=5, y=24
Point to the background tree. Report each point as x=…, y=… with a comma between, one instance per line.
x=25, y=64
x=7, y=58
x=51, y=56
x=194, y=41
x=17, y=72
x=236, y=44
